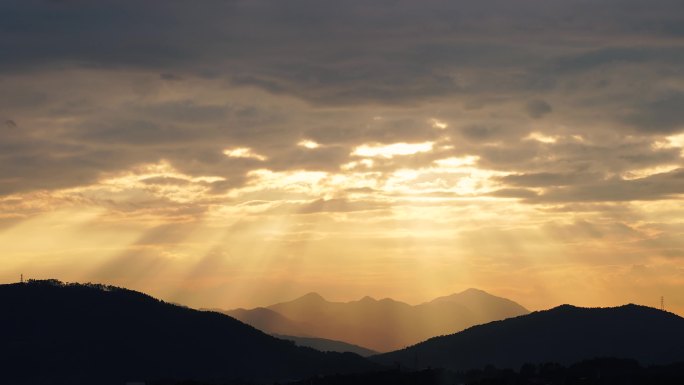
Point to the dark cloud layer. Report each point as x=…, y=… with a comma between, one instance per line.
x=664, y=114
x=655, y=187
x=538, y=108
x=93, y=88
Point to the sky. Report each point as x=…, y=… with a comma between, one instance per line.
x=226, y=153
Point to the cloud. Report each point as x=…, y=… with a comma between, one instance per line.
x=662, y=115
x=389, y=51
x=538, y=108
x=481, y=133
x=514, y=193
x=165, y=180
x=669, y=185
x=547, y=179
x=185, y=82
x=334, y=205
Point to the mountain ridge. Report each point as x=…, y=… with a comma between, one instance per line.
x=563, y=334
x=54, y=332
x=381, y=325
x=326, y=345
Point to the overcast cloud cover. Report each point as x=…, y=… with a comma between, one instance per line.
x=568, y=113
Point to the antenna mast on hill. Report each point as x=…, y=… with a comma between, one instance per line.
x=22, y=278
x=662, y=303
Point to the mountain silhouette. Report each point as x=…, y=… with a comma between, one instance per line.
x=381, y=325
x=270, y=321
x=483, y=306
x=276, y=324
x=326, y=345
x=565, y=334
x=56, y=333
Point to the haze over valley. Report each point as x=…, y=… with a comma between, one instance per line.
x=381, y=325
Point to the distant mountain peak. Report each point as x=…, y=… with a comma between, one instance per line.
x=472, y=290
x=470, y=294
x=467, y=293
x=380, y=324
x=311, y=297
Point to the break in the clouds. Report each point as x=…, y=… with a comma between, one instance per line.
x=297, y=122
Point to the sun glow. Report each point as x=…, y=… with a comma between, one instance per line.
x=467, y=160
x=539, y=137
x=310, y=144
x=353, y=165
x=243, y=152
x=673, y=141
x=649, y=171
x=436, y=123
x=72, y=233
x=305, y=182
x=392, y=150
x=676, y=140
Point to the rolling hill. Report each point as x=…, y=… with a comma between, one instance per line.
x=381, y=325
x=565, y=334
x=56, y=333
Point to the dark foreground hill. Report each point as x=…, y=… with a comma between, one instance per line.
x=55, y=333
x=381, y=325
x=602, y=371
x=565, y=334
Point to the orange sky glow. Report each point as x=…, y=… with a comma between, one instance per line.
x=388, y=160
